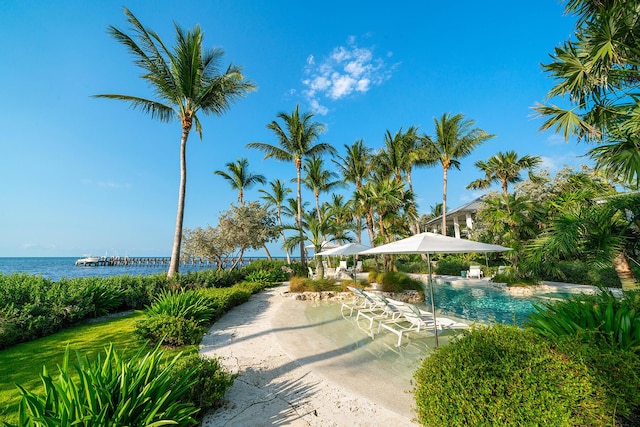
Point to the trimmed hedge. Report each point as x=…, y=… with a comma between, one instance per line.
x=502, y=375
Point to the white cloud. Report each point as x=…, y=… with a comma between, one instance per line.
x=347, y=69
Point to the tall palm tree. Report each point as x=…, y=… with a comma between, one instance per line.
x=355, y=167
x=276, y=198
x=455, y=138
x=317, y=232
x=239, y=177
x=186, y=80
x=318, y=179
x=597, y=70
x=504, y=168
x=295, y=143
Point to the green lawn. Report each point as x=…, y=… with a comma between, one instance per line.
x=23, y=363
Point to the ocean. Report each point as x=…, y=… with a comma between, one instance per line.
x=55, y=268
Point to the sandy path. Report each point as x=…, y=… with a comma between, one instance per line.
x=277, y=388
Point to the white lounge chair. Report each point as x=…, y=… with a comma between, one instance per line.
x=379, y=310
x=475, y=271
x=359, y=267
x=312, y=275
x=360, y=302
x=408, y=321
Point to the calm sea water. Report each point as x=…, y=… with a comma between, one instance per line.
x=55, y=268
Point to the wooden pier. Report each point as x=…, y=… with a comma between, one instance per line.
x=116, y=261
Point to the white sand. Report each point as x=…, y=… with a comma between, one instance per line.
x=276, y=387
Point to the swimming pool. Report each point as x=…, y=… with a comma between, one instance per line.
x=485, y=303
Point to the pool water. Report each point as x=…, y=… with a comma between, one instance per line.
x=485, y=303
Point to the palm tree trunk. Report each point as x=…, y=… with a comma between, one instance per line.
x=299, y=214
x=177, y=236
x=444, y=202
x=623, y=269
x=266, y=250
x=284, y=239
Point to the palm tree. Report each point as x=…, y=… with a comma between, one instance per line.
x=276, y=198
x=318, y=179
x=510, y=220
x=239, y=177
x=296, y=142
x=504, y=168
x=186, y=80
x=455, y=138
x=597, y=71
x=317, y=232
x=594, y=232
x=356, y=167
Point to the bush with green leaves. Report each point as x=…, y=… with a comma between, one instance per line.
x=277, y=270
x=600, y=318
x=169, y=331
x=503, y=375
x=411, y=264
x=138, y=391
x=393, y=281
x=451, y=266
x=176, y=318
x=186, y=304
x=303, y=284
x=582, y=273
x=210, y=381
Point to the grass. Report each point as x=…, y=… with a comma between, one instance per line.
x=22, y=364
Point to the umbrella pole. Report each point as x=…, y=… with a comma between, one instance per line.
x=433, y=305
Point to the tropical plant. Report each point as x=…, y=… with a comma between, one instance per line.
x=600, y=319
x=318, y=179
x=186, y=304
x=593, y=230
x=187, y=81
x=389, y=206
x=455, y=138
x=239, y=177
x=505, y=168
x=598, y=72
x=210, y=381
x=318, y=232
x=397, y=159
x=137, y=391
x=355, y=167
x=511, y=220
x=276, y=198
x=296, y=142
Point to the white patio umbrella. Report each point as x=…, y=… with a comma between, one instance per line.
x=431, y=243
x=348, y=249
x=323, y=246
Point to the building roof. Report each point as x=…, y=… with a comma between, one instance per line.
x=471, y=207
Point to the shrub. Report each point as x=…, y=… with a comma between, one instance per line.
x=168, y=330
x=502, y=375
x=451, y=266
x=398, y=282
x=277, y=270
x=185, y=304
x=303, y=284
x=222, y=300
x=582, y=273
x=615, y=371
x=372, y=277
x=210, y=381
x=599, y=318
x=135, y=392
x=411, y=264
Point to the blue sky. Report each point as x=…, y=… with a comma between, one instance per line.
x=81, y=175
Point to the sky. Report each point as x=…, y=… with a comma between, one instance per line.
x=81, y=175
